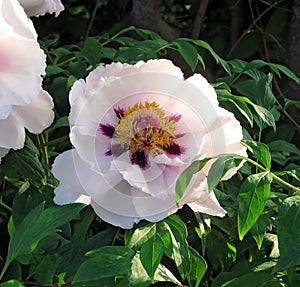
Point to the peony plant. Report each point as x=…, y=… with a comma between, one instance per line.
x=135, y=128
x=23, y=102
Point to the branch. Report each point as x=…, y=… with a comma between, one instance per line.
x=199, y=19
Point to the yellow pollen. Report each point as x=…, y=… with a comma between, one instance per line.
x=145, y=127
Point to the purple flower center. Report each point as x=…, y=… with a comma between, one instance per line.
x=145, y=131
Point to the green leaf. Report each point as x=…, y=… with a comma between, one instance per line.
x=141, y=235
x=187, y=51
x=283, y=146
x=165, y=237
x=91, y=50
x=177, y=230
x=147, y=34
x=258, y=90
x=218, y=59
x=239, y=102
x=220, y=167
x=258, y=230
x=71, y=255
x=245, y=275
x=253, y=65
x=44, y=272
x=105, y=262
x=265, y=115
x=23, y=162
x=278, y=67
x=151, y=254
x=61, y=122
x=12, y=283
x=277, y=22
x=252, y=198
x=288, y=231
x=260, y=151
x=54, y=70
x=248, y=45
x=37, y=225
x=186, y=176
x=197, y=267
x=138, y=276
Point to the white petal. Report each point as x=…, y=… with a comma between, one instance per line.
x=208, y=204
x=38, y=115
x=20, y=73
x=40, y=7
x=14, y=15
x=64, y=195
x=199, y=199
x=3, y=152
x=122, y=221
x=5, y=111
x=12, y=133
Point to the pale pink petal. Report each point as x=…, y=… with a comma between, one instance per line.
x=38, y=115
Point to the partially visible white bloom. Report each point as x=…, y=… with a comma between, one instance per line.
x=41, y=7
x=134, y=129
x=23, y=103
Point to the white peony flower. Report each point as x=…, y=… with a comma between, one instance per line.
x=41, y=7
x=134, y=129
x=23, y=103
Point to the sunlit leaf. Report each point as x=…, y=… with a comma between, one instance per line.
x=180, y=254
x=220, y=167
x=12, y=283
x=141, y=235
x=151, y=254
x=197, y=267
x=252, y=198
x=260, y=151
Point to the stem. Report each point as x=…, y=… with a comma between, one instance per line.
x=60, y=139
x=5, y=206
x=92, y=20
x=44, y=150
x=274, y=176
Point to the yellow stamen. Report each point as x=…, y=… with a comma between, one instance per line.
x=145, y=127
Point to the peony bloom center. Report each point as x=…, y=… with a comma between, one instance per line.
x=145, y=131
